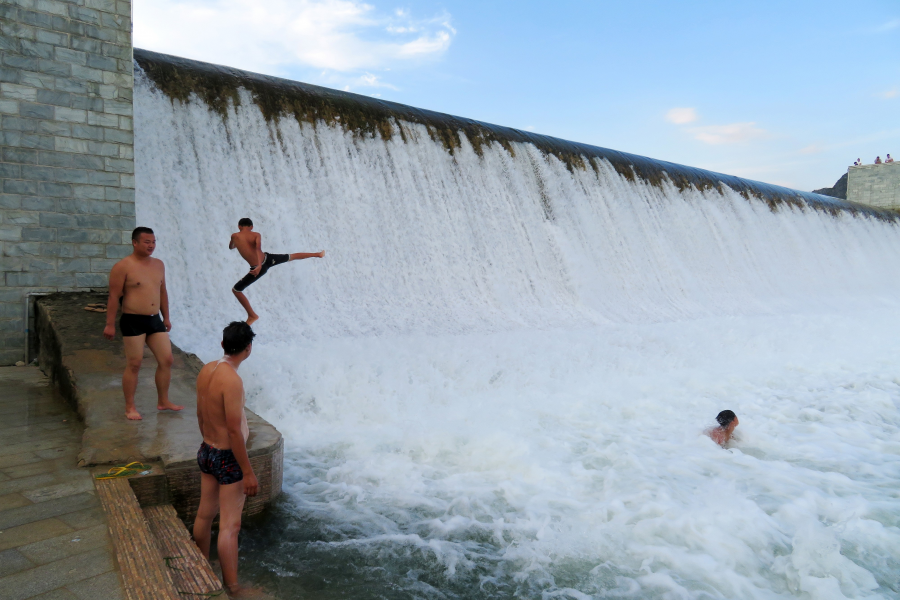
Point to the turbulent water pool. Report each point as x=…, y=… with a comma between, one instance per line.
x=572, y=464
x=496, y=382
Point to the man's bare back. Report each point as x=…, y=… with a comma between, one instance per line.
x=215, y=380
x=249, y=245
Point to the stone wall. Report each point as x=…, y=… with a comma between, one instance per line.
x=875, y=185
x=66, y=150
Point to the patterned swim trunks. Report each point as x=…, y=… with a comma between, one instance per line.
x=221, y=464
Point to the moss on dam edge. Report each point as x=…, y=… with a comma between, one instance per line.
x=181, y=79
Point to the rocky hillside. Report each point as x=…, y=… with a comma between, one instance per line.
x=838, y=190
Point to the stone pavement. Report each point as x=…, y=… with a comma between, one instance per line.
x=54, y=539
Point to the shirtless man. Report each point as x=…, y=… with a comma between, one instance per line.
x=226, y=475
x=249, y=244
x=727, y=422
x=141, y=280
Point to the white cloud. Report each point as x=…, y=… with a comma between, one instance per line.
x=680, y=116
x=813, y=149
x=888, y=94
x=275, y=35
x=894, y=24
x=733, y=133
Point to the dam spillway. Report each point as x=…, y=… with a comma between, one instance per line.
x=495, y=383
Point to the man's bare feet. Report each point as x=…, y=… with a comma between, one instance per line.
x=168, y=406
x=252, y=319
x=132, y=414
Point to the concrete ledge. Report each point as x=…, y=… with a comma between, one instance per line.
x=87, y=369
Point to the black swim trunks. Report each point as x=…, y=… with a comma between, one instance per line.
x=269, y=261
x=221, y=464
x=132, y=325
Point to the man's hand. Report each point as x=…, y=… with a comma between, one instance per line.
x=251, y=485
x=255, y=270
x=109, y=332
x=168, y=324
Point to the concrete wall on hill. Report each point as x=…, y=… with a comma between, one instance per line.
x=66, y=151
x=875, y=185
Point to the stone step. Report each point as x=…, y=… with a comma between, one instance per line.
x=144, y=572
x=190, y=571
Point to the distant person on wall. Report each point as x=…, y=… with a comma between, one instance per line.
x=857, y=163
x=140, y=282
x=226, y=475
x=888, y=159
x=727, y=422
x=249, y=244
x=877, y=160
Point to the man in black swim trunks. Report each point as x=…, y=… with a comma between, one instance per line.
x=226, y=474
x=249, y=244
x=139, y=280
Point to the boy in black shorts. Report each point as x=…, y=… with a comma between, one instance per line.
x=249, y=244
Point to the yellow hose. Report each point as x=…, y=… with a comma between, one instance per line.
x=122, y=471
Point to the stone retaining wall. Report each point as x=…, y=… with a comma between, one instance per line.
x=875, y=185
x=66, y=151
x=87, y=369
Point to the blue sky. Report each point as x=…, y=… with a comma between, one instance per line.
x=787, y=92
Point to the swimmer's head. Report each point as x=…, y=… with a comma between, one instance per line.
x=725, y=418
x=236, y=338
x=245, y=222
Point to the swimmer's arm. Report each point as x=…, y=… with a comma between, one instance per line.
x=234, y=417
x=116, y=290
x=231, y=245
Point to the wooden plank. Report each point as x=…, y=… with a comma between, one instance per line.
x=144, y=572
x=190, y=571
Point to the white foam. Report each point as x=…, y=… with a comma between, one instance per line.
x=525, y=396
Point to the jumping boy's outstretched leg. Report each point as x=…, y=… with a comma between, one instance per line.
x=299, y=255
x=252, y=317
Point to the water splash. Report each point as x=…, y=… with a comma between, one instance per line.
x=495, y=383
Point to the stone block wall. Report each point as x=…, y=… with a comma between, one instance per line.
x=66, y=151
x=875, y=185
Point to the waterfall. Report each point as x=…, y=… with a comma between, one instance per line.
x=495, y=382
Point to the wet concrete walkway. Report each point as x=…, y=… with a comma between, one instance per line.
x=54, y=539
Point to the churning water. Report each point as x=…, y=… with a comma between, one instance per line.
x=495, y=383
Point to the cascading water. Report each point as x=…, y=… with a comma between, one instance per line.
x=495, y=383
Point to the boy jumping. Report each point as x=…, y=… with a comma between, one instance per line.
x=249, y=244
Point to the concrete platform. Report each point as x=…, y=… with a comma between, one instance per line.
x=88, y=370
x=54, y=539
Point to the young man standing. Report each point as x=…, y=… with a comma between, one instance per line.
x=139, y=280
x=249, y=244
x=226, y=475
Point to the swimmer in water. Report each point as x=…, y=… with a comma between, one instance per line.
x=727, y=422
x=249, y=244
